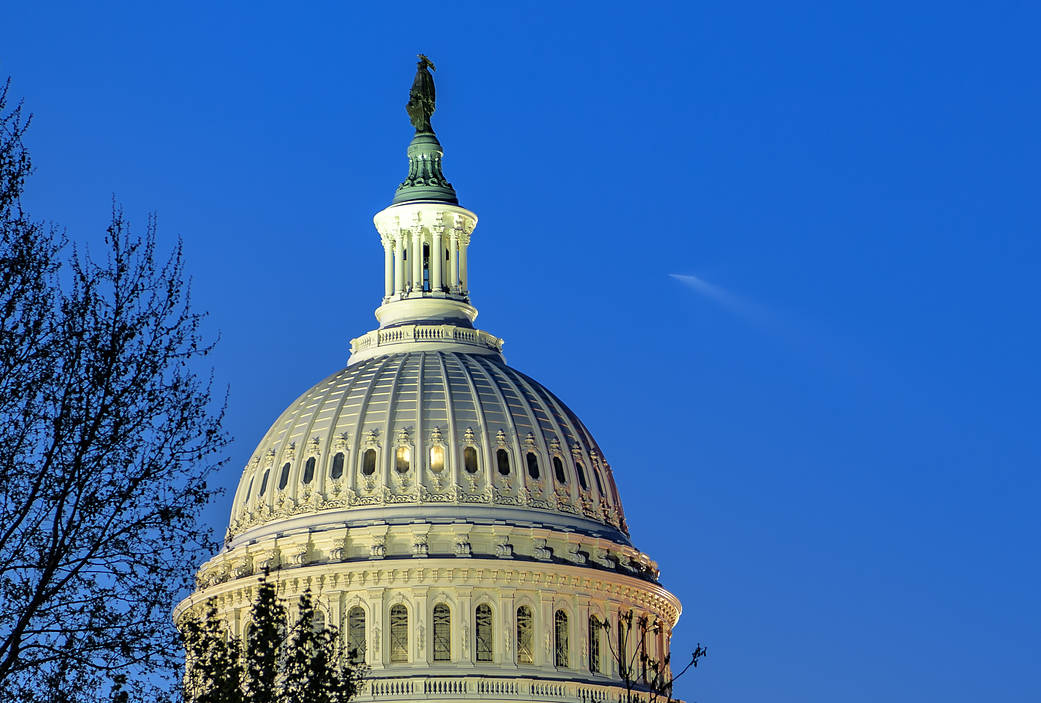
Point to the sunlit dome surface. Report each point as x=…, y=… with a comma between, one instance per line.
x=439, y=435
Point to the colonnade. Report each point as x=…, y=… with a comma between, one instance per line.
x=407, y=270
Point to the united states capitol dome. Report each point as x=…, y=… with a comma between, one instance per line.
x=439, y=434
x=453, y=518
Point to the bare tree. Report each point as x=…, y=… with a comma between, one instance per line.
x=646, y=679
x=107, y=437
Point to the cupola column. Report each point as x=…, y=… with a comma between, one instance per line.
x=417, y=259
x=453, y=262
x=463, y=278
x=388, y=267
x=399, y=264
x=436, y=259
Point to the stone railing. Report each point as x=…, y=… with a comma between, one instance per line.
x=492, y=688
x=410, y=334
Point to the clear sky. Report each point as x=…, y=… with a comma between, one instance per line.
x=824, y=426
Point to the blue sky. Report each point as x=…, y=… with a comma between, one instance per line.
x=825, y=428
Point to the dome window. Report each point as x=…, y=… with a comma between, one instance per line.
x=283, y=478
x=402, y=460
x=437, y=459
x=558, y=469
x=309, y=469
x=470, y=460
x=533, y=465
x=502, y=459
x=368, y=463
x=249, y=490
x=398, y=634
x=337, y=468
x=263, y=482
x=442, y=633
x=560, y=643
x=483, y=632
x=356, y=635
x=599, y=485
x=581, y=470
x=525, y=636
x=594, y=644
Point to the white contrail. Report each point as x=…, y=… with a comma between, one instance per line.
x=733, y=303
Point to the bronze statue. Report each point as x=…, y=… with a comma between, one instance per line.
x=421, y=97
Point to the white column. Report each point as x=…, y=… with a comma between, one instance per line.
x=388, y=267
x=453, y=258
x=399, y=264
x=463, y=280
x=417, y=260
x=436, y=257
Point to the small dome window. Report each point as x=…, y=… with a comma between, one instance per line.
x=483, y=632
x=470, y=460
x=402, y=460
x=249, y=490
x=437, y=459
x=525, y=636
x=337, y=468
x=442, y=633
x=596, y=477
x=263, y=482
x=356, y=635
x=502, y=459
x=533, y=465
x=558, y=469
x=581, y=470
x=368, y=463
x=309, y=469
x=398, y=634
x=560, y=630
x=594, y=644
x=283, y=479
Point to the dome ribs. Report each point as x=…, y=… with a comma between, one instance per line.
x=398, y=400
x=334, y=427
x=482, y=429
x=513, y=434
x=450, y=413
x=391, y=420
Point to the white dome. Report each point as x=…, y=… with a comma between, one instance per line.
x=449, y=436
x=454, y=519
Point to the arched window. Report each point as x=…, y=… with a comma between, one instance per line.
x=594, y=644
x=581, y=470
x=263, y=482
x=558, y=469
x=337, y=468
x=596, y=477
x=560, y=649
x=437, y=459
x=309, y=469
x=398, y=634
x=483, y=632
x=356, y=635
x=318, y=624
x=525, y=636
x=368, y=462
x=442, y=633
x=283, y=479
x=470, y=460
x=533, y=465
x=502, y=459
x=402, y=460
x=249, y=490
